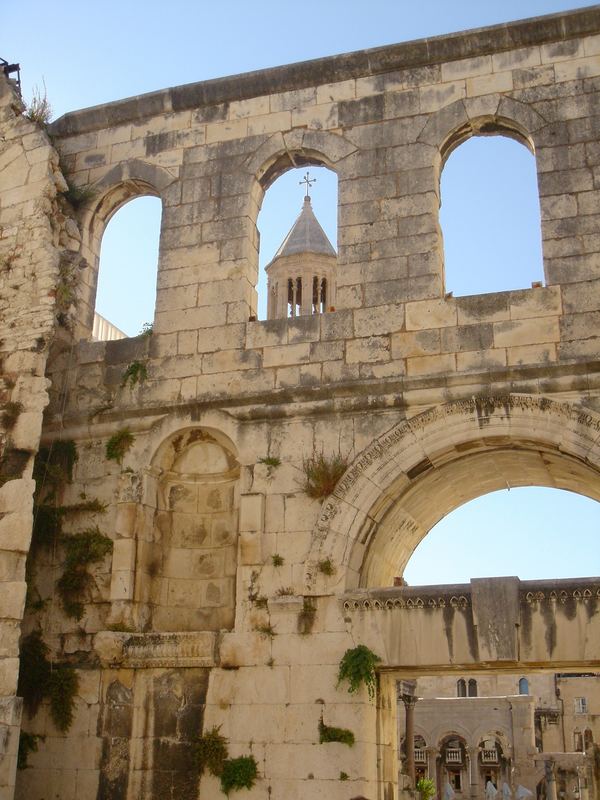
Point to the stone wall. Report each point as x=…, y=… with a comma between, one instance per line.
x=223, y=601
x=37, y=244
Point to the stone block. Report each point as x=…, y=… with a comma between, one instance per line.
x=303, y=329
x=431, y=314
x=531, y=354
x=538, y=302
x=498, y=82
x=9, y=673
x=378, y=320
x=466, y=337
x=252, y=513
x=288, y=354
x=124, y=552
x=431, y=365
x=467, y=68
x=333, y=92
x=368, y=349
x=527, y=331
x=480, y=360
x=439, y=96
x=225, y=131
x=250, y=548
x=121, y=585
x=415, y=343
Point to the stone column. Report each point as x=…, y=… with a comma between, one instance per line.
x=550, y=780
x=473, y=757
x=407, y=695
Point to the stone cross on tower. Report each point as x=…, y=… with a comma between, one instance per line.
x=309, y=182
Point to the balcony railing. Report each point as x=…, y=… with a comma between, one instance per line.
x=489, y=756
x=453, y=755
x=420, y=756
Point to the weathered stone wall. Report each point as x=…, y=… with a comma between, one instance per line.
x=36, y=256
x=219, y=558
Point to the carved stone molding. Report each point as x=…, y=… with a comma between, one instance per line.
x=152, y=650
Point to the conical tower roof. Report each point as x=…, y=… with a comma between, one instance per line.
x=305, y=236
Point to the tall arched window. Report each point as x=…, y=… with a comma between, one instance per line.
x=126, y=289
x=490, y=217
x=523, y=686
x=461, y=688
x=472, y=687
x=298, y=236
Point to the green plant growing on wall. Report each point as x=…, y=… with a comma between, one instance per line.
x=81, y=550
x=326, y=567
x=265, y=629
x=64, y=683
x=79, y=195
x=211, y=751
x=28, y=743
x=147, y=329
x=40, y=680
x=239, y=773
x=119, y=445
x=65, y=291
x=306, y=617
x=38, y=109
x=426, y=788
x=285, y=591
x=328, y=733
x=358, y=667
x=10, y=414
x=321, y=474
x=277, y=560
x=34, y=671
x=344, y=776
x=271, y=463
x=53, y=469
x=135, y=373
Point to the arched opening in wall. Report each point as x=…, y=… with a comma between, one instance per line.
x=511, y=532
x=126, y=287
x=297, y=240
x=490, y=215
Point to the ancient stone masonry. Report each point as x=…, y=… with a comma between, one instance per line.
x=180, y=577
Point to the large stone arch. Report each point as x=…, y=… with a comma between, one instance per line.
x=422, y=468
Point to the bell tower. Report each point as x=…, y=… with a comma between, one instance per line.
x=301, y=275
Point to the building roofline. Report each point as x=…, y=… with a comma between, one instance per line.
x=331, y=69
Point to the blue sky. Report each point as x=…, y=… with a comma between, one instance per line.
x=87, y=54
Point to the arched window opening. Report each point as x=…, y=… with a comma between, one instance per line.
x=461, y=688
x=523, y=686
x=490, y=217
x=297, y=255
x=510, y=532
x=472, y=688
x=126, y=288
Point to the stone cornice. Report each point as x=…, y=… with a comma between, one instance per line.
x=345, y=66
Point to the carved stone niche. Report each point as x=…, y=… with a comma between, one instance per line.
x=189, y=558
